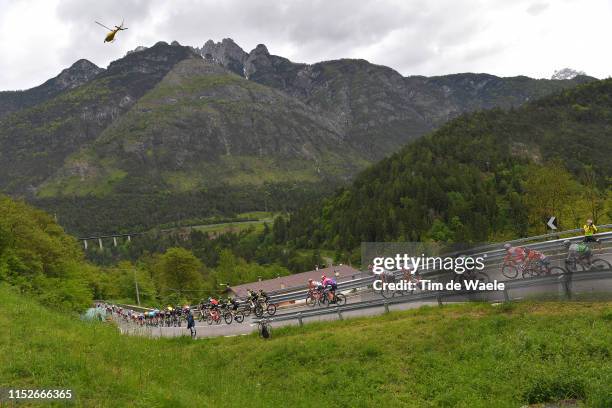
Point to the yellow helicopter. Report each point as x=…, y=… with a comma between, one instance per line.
x=110, y=37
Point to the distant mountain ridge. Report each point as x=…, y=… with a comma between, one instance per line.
x=76, y=75
x=202, y=125
x=365, y=98
x=171, y=119
x=35, y=142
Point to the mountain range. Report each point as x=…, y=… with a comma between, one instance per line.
x=486, y=176
x=173, y=120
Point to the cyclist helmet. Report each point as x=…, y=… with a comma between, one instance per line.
x=566, y=242
x=507, y=246
x=589, y=221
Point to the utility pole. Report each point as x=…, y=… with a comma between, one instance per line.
x=136, y=284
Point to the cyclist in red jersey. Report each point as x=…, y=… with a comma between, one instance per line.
x=516, y=255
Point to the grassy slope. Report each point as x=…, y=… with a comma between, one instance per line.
x=461, y=356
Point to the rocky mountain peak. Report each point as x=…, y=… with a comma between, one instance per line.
x=268, y=69
x=83, y=64
x=226, y=53
x=157, y=59
x=137, y=49
x=77, y=74
x=228, y=42
x=567, y=73
x=261, y=49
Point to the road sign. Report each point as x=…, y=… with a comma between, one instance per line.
x=552, y=223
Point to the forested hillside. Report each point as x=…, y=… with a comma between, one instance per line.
x=486, y=175
x=39, y=259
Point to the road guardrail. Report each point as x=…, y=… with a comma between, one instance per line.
x=563, y=281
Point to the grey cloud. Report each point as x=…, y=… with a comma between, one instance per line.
x=319, y=30
x=111, y=11
x=537, y=8
x=402, y=34
x=417, y=36
x=87, y=37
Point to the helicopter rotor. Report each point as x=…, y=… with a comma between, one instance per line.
x=100, y=24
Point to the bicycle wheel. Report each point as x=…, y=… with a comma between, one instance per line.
x=228, y=318
x=239, y=318
x=556, y=270
x=247, y=311
x=416, y=287
x=600, y=264
x=259, y=311
x=311, y=301
x=572, y=266
x=386, y=293
x=271, y=309
x=340, y=299
x=510, y=271
x=530, y=273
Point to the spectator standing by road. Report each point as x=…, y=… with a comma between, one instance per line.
x=191, y=324
x=589, y=230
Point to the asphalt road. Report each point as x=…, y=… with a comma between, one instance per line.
x=579, y=289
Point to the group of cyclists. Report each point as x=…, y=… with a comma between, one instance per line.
x=230, y=309
x=518, y=260
x=170, y=316
x=212, y=310
x=532, y=262
x=324, y=291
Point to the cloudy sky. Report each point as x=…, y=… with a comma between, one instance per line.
x=38, y=38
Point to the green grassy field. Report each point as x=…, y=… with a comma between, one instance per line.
x=242, y=221
x=254, y=219
x=474, y=355
x=231, y=227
